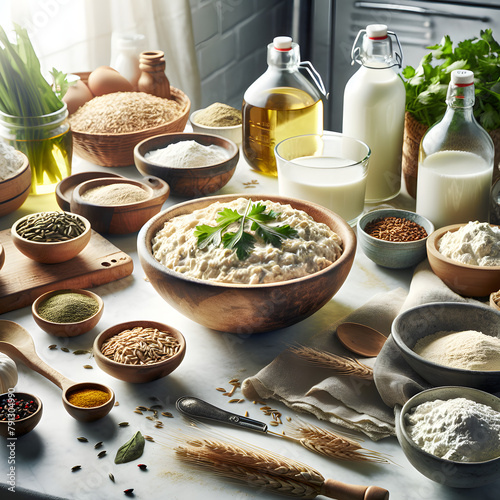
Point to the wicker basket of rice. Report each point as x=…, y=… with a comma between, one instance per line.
x=107, y=128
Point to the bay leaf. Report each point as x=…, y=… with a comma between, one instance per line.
x=131, y=450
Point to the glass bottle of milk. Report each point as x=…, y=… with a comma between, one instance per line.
x=374, y=109
x=455, y=163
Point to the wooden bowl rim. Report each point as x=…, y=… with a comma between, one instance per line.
x=31, y=396
x=432, y=242
x=348, y=247
x=54, y=244
x=89, y=385
x=46, y=295
x=395, y=211
x=179, y=96
x=207, y=127
x=119, y=327
x=232, y=149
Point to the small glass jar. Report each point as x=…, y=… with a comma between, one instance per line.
x=47, y=142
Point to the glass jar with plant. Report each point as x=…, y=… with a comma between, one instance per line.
x=33, y=118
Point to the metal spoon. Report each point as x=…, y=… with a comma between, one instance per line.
x=18, y=343
x=360, y=339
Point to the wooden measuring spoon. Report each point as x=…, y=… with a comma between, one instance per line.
x=15, y=341
x=360, y=339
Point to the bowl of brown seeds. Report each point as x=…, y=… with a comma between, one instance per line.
x=394, y=238
x=51, y=237
x=139, y=351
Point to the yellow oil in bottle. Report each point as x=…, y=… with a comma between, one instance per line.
x=282, y=113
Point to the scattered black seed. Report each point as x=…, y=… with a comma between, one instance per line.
x=101, y=454
x=142, y=466
x=167, y=414
x=141, y=408
x=75, y=468
x=64, y=349
x=129, y=491
x=53, y=346
x=83, y=439
x=111, y=477
x=123, y=424
x=16, y=406
x=98, y=445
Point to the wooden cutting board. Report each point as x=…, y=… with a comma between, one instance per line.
x=22, y=280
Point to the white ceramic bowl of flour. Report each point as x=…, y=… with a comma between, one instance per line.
x=468, y=420
x=428, y=319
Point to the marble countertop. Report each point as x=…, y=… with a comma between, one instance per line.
x=44, y=457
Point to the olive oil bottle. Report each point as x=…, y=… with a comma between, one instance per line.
x=282, y=103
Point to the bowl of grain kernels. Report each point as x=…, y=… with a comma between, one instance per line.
x=394, y=238
x=107, y=128
x=67, y=313
x=193, y=165
x=467, y=257
x=451, y=435
x=139, y=351
x=51, y=237
x=119, y=205
x=219, y=119
x=451, y=343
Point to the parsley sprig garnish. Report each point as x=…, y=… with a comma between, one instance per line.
x=241, y=240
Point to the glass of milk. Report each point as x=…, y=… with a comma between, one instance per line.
x=329, y=170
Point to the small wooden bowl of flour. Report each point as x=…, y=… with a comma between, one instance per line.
x=119, y=205
x=194, y=165
x=15, y=181
x=465, y=279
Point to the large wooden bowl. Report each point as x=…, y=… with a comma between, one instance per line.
x=242, y=308
x=15, y=189
x=464, y=279
x=120, y=219
x=189, y=181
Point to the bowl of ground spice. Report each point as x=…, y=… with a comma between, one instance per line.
x=193, y=165
x=451, y=435
x=20, y=413
x=106, y=128
x=219, y=119
x=451, y=343
x=51, y=237
x=394, y=238
x=467, y=257
x=67, y=313
x=119, y=205
x=139, y=351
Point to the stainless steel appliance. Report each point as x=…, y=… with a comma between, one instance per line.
x=335, y=23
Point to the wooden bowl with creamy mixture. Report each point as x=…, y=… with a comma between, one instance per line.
x=452, y=360
x=465, y=279
x=187, y=172
x=250, y=307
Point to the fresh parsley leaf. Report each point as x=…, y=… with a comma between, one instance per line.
x=241, y=241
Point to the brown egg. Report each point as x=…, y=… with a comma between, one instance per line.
x=77, y=95
x=105, y=80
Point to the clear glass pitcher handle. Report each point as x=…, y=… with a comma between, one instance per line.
x=397, y=55
x=315, y=76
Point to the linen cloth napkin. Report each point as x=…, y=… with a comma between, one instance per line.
x=350, y=402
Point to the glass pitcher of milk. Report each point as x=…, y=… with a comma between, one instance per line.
x=374, y=109
x=455, y=163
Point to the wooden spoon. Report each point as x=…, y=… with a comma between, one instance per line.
x=15, y=341
x=360, y=339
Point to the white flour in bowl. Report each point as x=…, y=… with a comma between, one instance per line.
x=456, y=429
x=10, y=161
x=476, y=243
x=468, y=350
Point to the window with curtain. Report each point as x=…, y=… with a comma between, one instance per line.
x=78, y=35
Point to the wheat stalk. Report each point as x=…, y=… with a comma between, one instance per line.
x=342, y=365
x=330, y=444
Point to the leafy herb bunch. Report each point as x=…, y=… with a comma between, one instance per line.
x=240, y=240
x=426, y=86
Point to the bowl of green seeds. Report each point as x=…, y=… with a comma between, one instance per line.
x=67, y=313
x=51, y=237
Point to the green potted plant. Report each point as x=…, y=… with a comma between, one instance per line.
x=426, y=88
